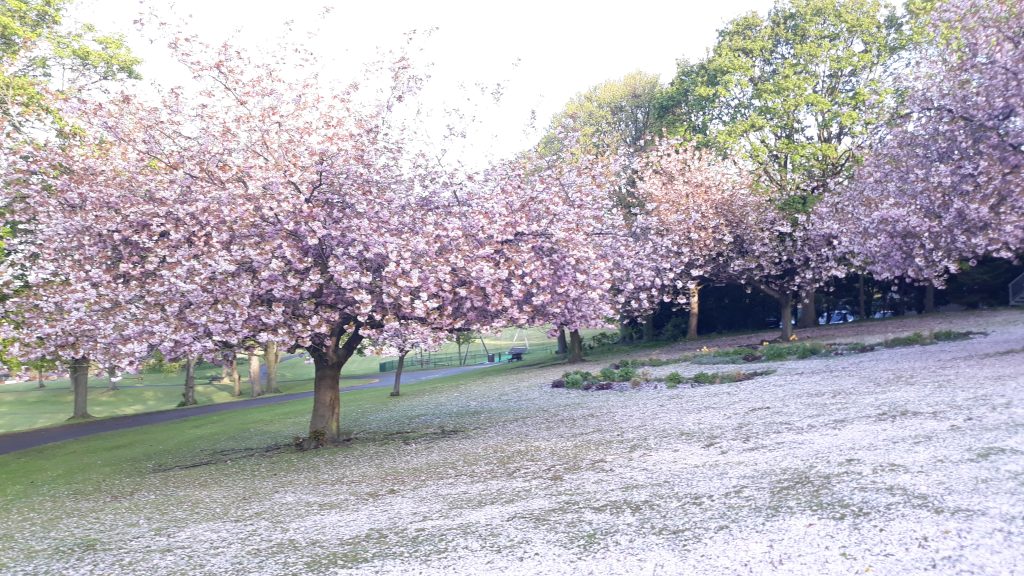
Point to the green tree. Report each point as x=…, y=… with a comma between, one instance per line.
x=797, y=94
x=612, y=117
x=42, y=60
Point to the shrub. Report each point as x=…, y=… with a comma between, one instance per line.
x=915, y=339
x=578, y=379
x=673, y=379
x=156, y=364
x=951, y=335
x=573, y=381
x=799, y=350
x=808, y=349
x=638, y=363
x=706, y=378
x=675, y=329
x=775, y=352
x=603, y=339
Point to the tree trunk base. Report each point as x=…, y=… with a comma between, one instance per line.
x=575, y=347
x=808, y=311
x=694, y=316
x=786, y=314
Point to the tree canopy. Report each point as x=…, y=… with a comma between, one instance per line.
x=42, y=59
x=797, y=92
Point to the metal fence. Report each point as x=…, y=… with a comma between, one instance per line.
x=1017, y=291
x=449, y=359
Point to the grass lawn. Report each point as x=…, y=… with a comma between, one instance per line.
x=24, y=406
x=128, y=454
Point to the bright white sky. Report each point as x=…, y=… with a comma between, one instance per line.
x=542, y=52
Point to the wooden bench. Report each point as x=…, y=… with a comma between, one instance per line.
x=515, y=354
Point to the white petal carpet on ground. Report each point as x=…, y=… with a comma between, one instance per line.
x=901, y=461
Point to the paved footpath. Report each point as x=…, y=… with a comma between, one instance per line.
x=15, y=441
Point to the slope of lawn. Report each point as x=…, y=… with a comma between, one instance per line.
x=902, y=461
x=24, y=406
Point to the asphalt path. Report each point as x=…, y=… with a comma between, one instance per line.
x=15, y=441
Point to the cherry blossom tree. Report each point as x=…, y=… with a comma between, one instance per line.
x=249, y=205
x=944, y=184
x=552, y=229
x=702, y=220
x=73, y=254
x=697, y=211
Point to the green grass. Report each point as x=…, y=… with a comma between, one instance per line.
x=139, y=452
x=952, y=335
x=23, y=406
x=919, y=339
x=775, y=352
x=915, y=339
x=50, y=406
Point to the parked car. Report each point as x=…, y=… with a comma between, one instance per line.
x=841, y=316
x=774, y=322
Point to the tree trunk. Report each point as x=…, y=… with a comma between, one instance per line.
x=111, y=374
x=563, y=345
x=862, y=300
x=929, y=299
x=189, y=396
x=270, y=357
x=691, y=327
x=80, y=384
x=236, y=380
x=625, y=332
x=254, y=376
x=899, y=306
x=398, y=373
x=648, y=334
x=459, y=345
x=224, y=372
x=325, y=422
x=39, y=378
x=575, y=347
x=808, y=315
x=786, y=315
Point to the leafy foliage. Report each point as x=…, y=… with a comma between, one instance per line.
x=36, y=49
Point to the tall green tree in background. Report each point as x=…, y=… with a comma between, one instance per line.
x=42, y=60
x=612, y=117
x=796, y=93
